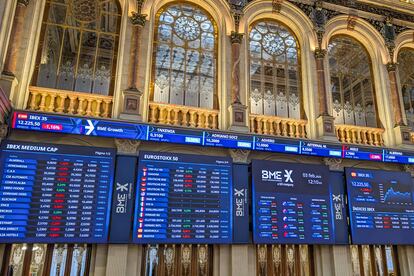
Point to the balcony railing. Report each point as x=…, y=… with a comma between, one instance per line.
x=178, y=115
x=350, y=134
x=61, y=101
x=271, y=125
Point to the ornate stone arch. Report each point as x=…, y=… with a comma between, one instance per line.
x=218, y=9
x=220, y=12
x=302, y=28
x=363, y=32
x=404, y=41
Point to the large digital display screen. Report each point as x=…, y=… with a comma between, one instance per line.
x=54, y=193
x=291, y=203
x=180, y=135
x=381, y=206
x=183, y=199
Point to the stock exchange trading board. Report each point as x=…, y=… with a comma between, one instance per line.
x=183, y=199
x=291, y=203
x=54, y=193
x=381, y=206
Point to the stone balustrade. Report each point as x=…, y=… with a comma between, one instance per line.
x=272, y=125
x=350, y=134
x=62, y=101
x=187, y=116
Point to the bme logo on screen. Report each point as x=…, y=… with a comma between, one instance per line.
x=277, y=176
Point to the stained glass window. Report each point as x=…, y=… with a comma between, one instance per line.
x=185, y=58
x=351, y=83
x=406, y=72
x=79, y=46
x=275, y=81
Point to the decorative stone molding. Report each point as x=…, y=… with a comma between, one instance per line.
x=138, y=19
x=352, y=20
x=320, y=53
x=140, y=3
x=236, y=38
x=277, y=6
x=391, y=66
x=239, y=155
x=334, y=164
x=127, y=146
x=23, y=2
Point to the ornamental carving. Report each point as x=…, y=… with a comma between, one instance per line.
x=320, y=53
x=277, y=6
x=236, y=38
x=138, y=19
x=186, y=258
x=391, y=66
x=239, y=155
x=352, y=20
x=334, y=164
x=169, y=258
x=127, y=146
x=85, y=11
x=23, y=2
x=202, y=258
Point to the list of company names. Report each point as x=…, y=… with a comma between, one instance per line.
x=183, y=198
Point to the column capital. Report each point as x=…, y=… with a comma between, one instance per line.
x=138, y=19
x=240, y=155
x=391, y=66
x=236, y=38
x=320, y=53
x=127, y=146
x=334, y=164
x=23, y=2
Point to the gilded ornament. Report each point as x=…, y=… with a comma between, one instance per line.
x=138, y=19
x=23, y=2
x=236, y=38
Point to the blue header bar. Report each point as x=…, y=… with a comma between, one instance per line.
x=34, y=121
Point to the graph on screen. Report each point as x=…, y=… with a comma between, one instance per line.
x=392, y=195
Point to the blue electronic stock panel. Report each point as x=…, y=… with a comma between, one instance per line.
x=292, y=203
x=55, y=193
x=171, y=134
x=381, y=206
x=183, y=199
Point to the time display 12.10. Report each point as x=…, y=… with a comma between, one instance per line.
x=291, y=203
x=54, y=193
x=183, y=199
x=381, y=206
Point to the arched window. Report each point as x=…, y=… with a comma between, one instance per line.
x=79, y=46
x=185, y=57
x=351, y=83
x=275, y=78
x=406, y=72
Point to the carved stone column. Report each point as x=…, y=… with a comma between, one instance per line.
x=132, y=95
x=15, y=38
x=398, y=118
x=238, y=114
x=402, y=131
x=325, y=122
x=8, y=80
